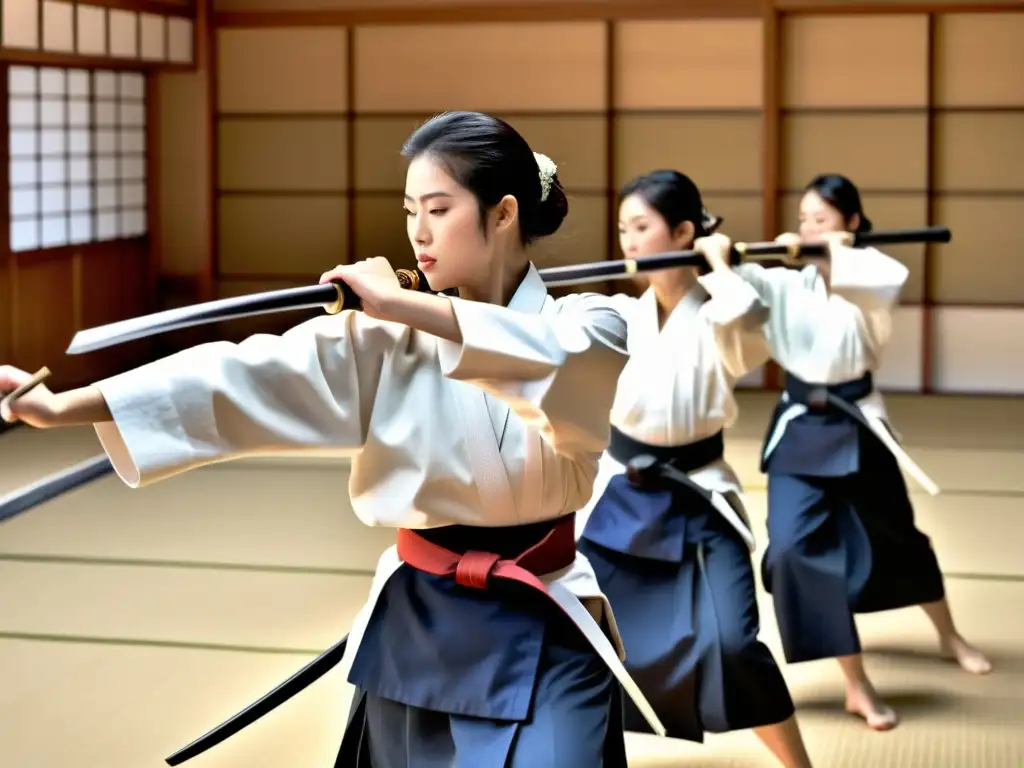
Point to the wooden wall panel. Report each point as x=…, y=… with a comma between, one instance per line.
x=6, y=312
x=863, y=6
x=521, y=67
x=879, y=152
x=281, y=70
x=321, y=5
x=41, y=326
x=96, y=283
x=268, y=235
x=408, y=11
x=742, y=215
x=282, y=154
x=683, y=93
x=978, y=60
x=106, y=300
x=689, y=95
x=979, y=158
x=182, y=237
x=980, y=152
x=379, y=165
x=826, y=61
x=719, y=152
x=690, y=64
x=380, y=230
x=982, y=264
x=979, y=161
x=283, y=143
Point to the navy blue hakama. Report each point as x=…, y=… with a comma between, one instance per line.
x=841, y=533
x=681, y=584
x=450, y=676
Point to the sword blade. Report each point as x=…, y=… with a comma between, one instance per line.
x=54, y=485
x=302, y=679
x=286, y=299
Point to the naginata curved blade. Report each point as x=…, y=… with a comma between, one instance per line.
x=302, y=679
x=285, y=299
x=54, y=485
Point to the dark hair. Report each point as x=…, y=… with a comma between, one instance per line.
x=842, y=194
x=490, y=159
x=676, y=199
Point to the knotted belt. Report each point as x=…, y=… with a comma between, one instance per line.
x=841, y=397
x=686, y=458
x=555, y=550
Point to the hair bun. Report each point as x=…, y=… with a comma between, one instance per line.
x=552, y=210
x=709, y=222
x=865, y=224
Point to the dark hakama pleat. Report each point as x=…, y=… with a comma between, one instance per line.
x=839, y=543
x=451, y=676
x=690, y=623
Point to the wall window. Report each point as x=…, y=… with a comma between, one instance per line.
x=77, y=156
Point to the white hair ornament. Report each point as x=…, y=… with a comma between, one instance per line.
x=547, y=174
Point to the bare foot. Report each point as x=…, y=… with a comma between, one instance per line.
x=864, y=702
x=967, y=656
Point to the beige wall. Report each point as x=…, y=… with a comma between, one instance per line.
x=291, y=205
x=308, y=170
x=963, y=158
x=283, y=127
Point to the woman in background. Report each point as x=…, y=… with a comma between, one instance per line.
x=841, y=532
x=673, y=556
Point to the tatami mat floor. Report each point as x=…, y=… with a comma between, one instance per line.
x=132, y=621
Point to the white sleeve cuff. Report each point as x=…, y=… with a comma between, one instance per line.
x=146, y=439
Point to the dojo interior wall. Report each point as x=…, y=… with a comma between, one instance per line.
x=55, y=278
x=310, y=120
x=272, y=151
x=930, y=127
x=309, y=170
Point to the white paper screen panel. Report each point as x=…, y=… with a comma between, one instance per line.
x=77, y=149
x=67, y=27
x=978, y=350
